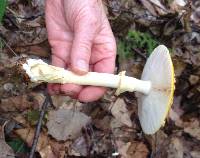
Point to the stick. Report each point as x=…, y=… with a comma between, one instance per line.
x=39, y=125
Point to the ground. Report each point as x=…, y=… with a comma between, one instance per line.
x=110, y=126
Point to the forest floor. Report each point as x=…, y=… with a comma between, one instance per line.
x=110, y=126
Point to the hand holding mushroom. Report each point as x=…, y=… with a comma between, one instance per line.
x=82, y=40
x=156, y=86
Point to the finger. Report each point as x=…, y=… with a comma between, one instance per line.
x=50, y=89
x=53, y=89
x=55, y=19
x=91, y=93
x=71, y=90
x=82, y=44
x=103, y=56
x=65, y=89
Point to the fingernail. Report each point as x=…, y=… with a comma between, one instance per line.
x=82, y=65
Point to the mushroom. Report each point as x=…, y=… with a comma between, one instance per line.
x=155, y=88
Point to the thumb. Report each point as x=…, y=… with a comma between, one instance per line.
x=81, y=47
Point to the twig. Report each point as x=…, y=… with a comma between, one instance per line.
x=32, y=17
x=33, y=44
x=7, y=45
x=139, y=53
x=39, y=125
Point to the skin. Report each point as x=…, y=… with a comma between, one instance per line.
x=81, y=40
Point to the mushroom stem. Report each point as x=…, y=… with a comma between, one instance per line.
x=38, y=71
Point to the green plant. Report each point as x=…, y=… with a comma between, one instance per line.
x=3, y=4
x=136, y=40
x=124, y=50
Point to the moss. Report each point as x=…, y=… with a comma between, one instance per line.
x=136, y=40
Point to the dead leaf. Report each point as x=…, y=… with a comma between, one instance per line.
x=193, y=128
x=5, y=150
x=47, y=152
x=176, y=112
x=27, y=135
x=168, y=147
x=136, y=69
x=193, y=79
x=160, y=8
x=47, y=147
x=177, y=5
x=15, y=103
x=179, y=66
x=132, y=149
x=103, y=123
x=80, y=146
x=195, y=154
x=175, y=149
x=66, y=124
x=123, y=148
x=157, y=140
x=120, y=112
x=20, y=119
x=149, y=6
x=154, y=7
x=65, y=102
x=8, y=87
x=137, y=149
x=195, y=16
x=39, y=51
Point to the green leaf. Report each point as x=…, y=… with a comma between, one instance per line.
x=33, y=116
x=3, y=4
x=18, y=145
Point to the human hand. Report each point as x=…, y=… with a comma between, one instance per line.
x=81, y=40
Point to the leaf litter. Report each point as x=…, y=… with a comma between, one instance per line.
x=114, y=129
x=66, y=124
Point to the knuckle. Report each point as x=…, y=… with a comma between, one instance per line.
x=85, y=46
x=93, y=21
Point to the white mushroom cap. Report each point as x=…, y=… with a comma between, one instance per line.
x=154, y=107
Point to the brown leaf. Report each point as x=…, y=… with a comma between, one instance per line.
x=123, y=148
x=80, y=146
x=193, y=79
x=120, y=112
x=137, y=149
x=47, y=147
x=65, y=102
x=175, y=149
x=66, y=124
x=168, y=147
x=179, y=66
x=176, y=112
x=149, y=6
x=195, y=154
x=195, y=16
x=157, y=140
x=39, y=51
x=177, y=5
x=15, y=103
x=193, y=128
x=5, y=150
x=27, y=135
